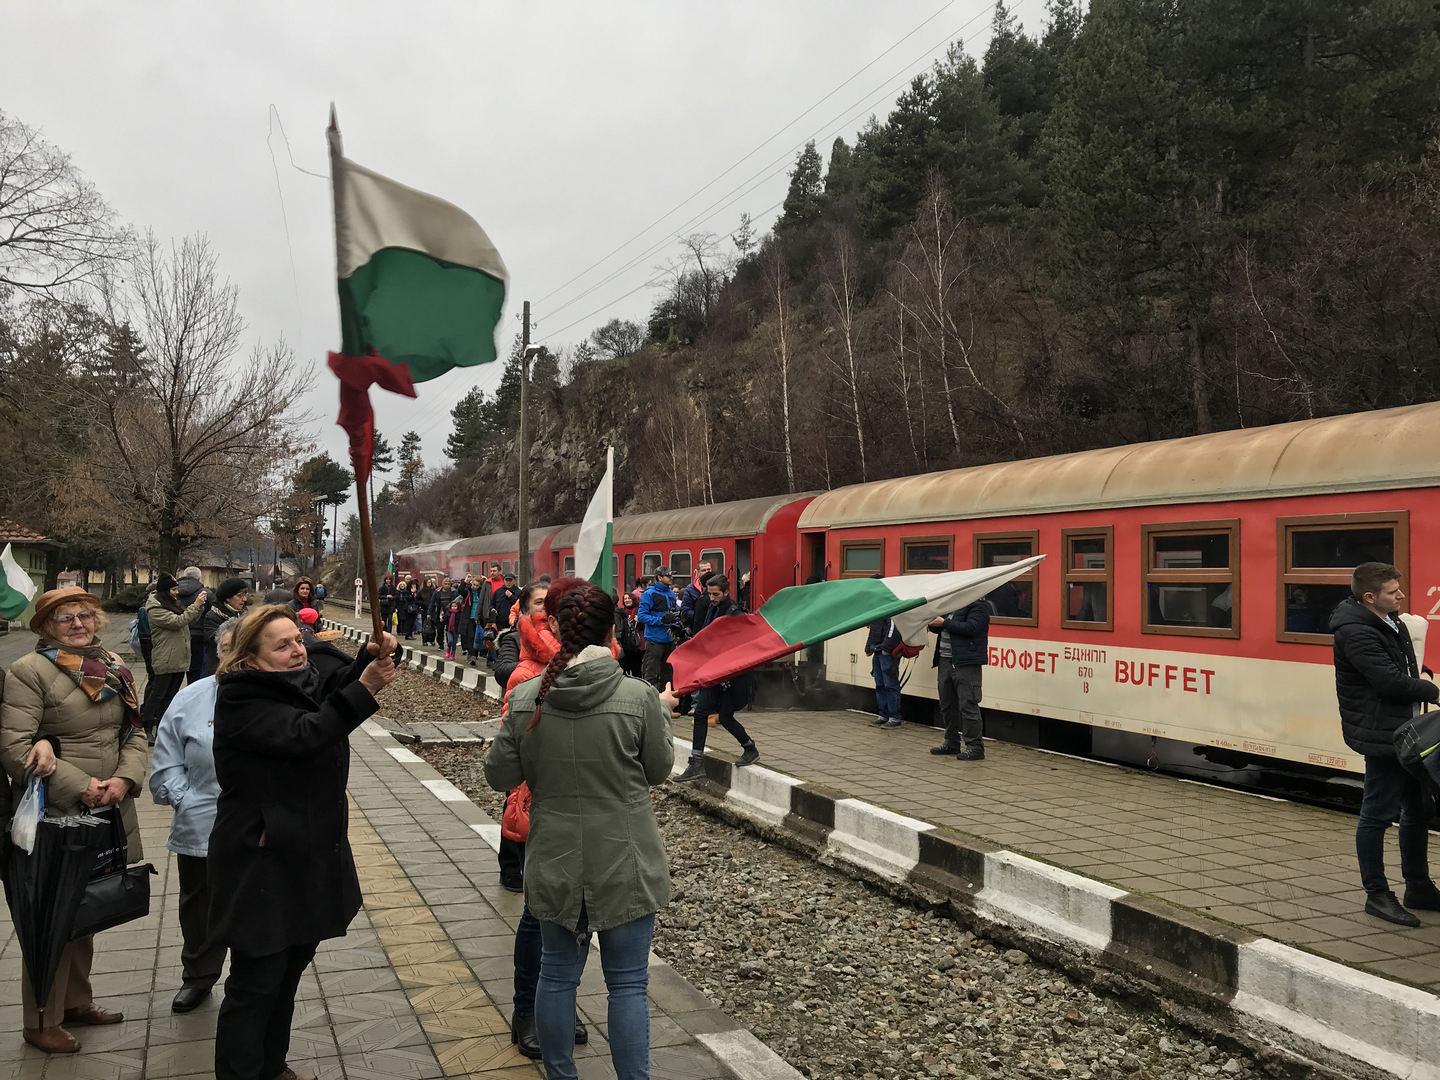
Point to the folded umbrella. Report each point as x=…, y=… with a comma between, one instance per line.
x=44, y=888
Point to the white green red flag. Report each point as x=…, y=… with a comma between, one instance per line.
x=808, y=614
x=594, y=546
x=421, y=291
x=390, y=566
x=16, y=587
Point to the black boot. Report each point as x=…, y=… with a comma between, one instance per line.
x=525, y=1037
x=694, y=771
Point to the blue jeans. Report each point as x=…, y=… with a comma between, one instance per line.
x=527, y=964
x=1391, y=792
x=885, y=669
x=625, y=959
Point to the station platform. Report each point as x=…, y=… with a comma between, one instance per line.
x=419, y=988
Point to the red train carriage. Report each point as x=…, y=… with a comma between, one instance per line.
x=481, y=554
x=754, y=537
x=422, y=560
x=1189, y=583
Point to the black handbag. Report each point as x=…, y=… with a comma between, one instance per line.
x=115, y=893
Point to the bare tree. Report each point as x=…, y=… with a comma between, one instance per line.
x=617, y=338
x=777, y=286
x=196, y=438
x=55, y=229
x=840, y=274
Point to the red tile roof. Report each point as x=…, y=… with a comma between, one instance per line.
x=9, y=531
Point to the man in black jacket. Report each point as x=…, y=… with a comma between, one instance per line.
x=963, y=649
x=722, y=700
x=1380, y=686
x=880, y=646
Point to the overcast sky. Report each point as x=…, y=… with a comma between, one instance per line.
x=568, y=130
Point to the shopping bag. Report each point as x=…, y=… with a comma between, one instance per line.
x=28, y=815
x=113, y=899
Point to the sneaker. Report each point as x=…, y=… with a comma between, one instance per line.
x=1424, y=897
x=945, y=749
x=879, y=721
x=694, y=771
x=750, y=756
x=974, y=753
x=893, y=722
x=1383, y=905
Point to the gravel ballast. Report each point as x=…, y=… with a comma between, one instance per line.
x=842, y=982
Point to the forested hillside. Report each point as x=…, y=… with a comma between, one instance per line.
x=1154, y=220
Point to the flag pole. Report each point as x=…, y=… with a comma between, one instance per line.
x=367, y=553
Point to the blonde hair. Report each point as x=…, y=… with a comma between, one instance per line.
x=245, y=641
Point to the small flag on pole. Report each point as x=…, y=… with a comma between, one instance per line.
x=594, y=545
x=16, y=588
x=390, y=566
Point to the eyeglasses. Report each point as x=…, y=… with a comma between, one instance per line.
x=66, y=620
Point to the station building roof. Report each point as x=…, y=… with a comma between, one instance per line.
x=744, y=518
x=1384, y=450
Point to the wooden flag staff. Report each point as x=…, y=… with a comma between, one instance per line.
x=367, y=555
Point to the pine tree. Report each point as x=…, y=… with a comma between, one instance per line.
x=467, y=439
x=803, y=201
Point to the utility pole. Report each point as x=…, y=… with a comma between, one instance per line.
x=522, y=555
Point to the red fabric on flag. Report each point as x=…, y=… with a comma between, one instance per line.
x=357, y=374
x=724, y=649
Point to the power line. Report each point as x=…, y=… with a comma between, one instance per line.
x=747, y=157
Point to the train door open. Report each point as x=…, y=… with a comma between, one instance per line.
x=742, y=575
x=814, y=567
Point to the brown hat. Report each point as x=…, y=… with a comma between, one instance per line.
x=50, y=601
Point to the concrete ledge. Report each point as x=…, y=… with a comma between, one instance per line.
x=1193, y=949
x=953, y=867
x=762, y=793
x=1055, y=903
x=875, y=839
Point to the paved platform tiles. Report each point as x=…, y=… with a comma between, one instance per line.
x=420, y=988
x=1276, y=868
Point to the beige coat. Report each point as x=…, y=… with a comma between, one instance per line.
x=170, y=636
x=39, y=697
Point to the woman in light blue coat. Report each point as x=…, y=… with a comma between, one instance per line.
x=182, y=775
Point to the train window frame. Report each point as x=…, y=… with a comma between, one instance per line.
x=631, y=577
x=1032, y=576
x=1071, y=576
x=675, y=563
x=715, y=557
x=648, y=570
x=872, y=545
x=907, y=542
x=1287, y=574
x=506, y=567
x=567, y=566
x=1188, y=575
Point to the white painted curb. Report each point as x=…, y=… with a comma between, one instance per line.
x=1054, y=903
x=878, y=840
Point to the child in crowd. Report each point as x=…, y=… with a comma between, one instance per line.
x=452, y=630
x=308, y=616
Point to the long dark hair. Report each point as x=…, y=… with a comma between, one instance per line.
x=585, y=614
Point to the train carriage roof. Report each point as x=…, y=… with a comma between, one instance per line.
x=426, y=549
x=1387, y=449
x=500, y=543
x=744, y=518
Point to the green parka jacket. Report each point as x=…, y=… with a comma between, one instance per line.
x=602, y=742
x=170, y=636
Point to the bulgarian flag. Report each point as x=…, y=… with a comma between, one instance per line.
x=421, y=291
x=16, y=588
x=805, y=615
x=595, y=543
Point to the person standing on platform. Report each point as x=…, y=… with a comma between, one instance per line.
x=282, y=876
x=723, y=699
x=182, y=775
x=880, y=646
x=1380, y=686
x=230, y=597
x=190, y=584
x=963, y=649
x=386, y=598
x=503, y=600
x=170, y=651
x=694, y=600
x=590, y=743
x=659, y=611
x=410, y=606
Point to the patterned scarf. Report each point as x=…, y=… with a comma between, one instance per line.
x=100, y=674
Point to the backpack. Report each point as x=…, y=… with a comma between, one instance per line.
x=135, y=635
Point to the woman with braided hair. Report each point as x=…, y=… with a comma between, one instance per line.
x=590, y=742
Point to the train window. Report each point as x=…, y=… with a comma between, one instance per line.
x=680, y=563
x=1088, y=579
x=1318, y=556
x=715, y=557
x=861, y=558
x=615, y=570
x=1015, y=600
x=569, y=566
x=926, y=554
x=650, y=562
x=1191, y=578
x=630, y=571
x=505, y=566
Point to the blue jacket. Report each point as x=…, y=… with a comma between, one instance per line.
x=688, y=600
x=969, y=632
x=654, y=603
x=182, y=767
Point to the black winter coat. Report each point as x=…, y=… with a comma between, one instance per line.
x=503, y=600
x=969, y=630
x=1375, y=679
x=386, y=598
x=281, y=871
x=507, y=656
x=883, y=637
